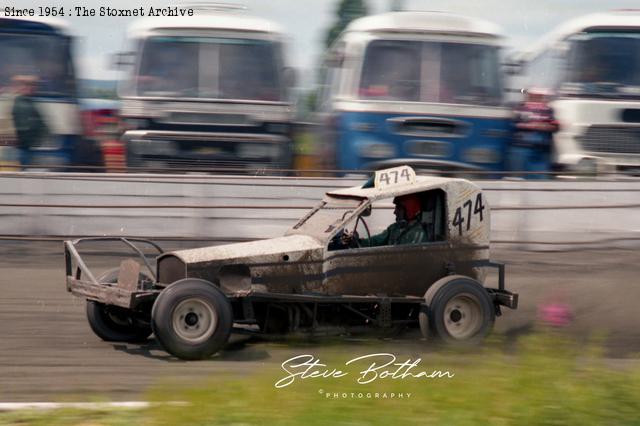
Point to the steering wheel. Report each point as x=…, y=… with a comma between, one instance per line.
x=345, y=239
x=355, y=232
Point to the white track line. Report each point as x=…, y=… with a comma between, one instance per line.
x=15, y=406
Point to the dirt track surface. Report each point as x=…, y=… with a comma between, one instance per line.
x=48, y=352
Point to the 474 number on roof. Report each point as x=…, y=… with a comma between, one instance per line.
x=396, y=176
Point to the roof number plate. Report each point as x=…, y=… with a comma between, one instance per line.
x=397, y=176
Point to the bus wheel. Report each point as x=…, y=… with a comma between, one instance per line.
x=192, y=319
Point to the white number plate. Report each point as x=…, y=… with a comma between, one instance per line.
x=396, y=176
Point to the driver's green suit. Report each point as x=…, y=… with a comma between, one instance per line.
x=397, y=233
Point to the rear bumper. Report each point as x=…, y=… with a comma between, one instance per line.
x=500, y=295
x=504, y=298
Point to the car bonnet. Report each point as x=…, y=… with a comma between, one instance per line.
x=253, y=249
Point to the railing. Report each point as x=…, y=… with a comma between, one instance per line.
x=525, y=214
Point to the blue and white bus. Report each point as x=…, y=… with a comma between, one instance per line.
x=42, y=49
x=416, y=88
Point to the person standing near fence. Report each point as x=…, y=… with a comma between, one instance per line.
x=9, y=157
x=30, y=127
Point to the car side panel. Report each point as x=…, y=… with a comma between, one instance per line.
x=397, y=270
x=301, y=273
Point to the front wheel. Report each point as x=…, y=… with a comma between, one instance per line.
x=192, y=319
x=115, y=324
x=458, y=309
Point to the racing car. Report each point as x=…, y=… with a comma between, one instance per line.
x=323, y=274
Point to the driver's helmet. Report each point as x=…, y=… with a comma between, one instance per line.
x=410, y=203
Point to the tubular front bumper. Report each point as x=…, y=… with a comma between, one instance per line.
x=83, y=283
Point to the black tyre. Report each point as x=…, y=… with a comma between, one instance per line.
x=112, y=323
x=192, y=319
x=115, y=324
x=457, y=309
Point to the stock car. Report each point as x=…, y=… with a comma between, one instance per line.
x=309, y=280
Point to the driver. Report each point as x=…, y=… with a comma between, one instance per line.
x=407, y=229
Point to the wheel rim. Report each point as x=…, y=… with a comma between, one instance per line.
x=194, y=320
x=463, y=316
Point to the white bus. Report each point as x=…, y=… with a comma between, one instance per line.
x=41, y=48
x=207, y=92
x=591, y=65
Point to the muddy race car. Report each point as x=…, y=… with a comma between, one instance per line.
x=323, y=274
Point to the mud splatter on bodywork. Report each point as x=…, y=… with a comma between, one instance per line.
x=301, y=262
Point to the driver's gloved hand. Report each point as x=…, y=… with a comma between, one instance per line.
x=346, y=238
x=350, y=240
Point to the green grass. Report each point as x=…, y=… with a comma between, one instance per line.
x=544, y=380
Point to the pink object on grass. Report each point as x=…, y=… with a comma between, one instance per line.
x=555, y=314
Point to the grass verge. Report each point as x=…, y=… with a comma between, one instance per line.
x=545, y=380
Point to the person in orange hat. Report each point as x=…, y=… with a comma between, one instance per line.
x=408, y=227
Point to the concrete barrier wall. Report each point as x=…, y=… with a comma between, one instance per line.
x=525, y=214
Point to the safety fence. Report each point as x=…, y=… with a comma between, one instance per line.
x=532, y=214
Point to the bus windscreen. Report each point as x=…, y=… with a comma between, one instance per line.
x=210, y=67
x=423, y=71
x=45, y=57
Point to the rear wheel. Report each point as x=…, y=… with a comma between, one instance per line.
x=113, y=323
x=457, y=310
x=192, y=319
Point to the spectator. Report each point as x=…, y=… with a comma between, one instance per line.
x=30, y=127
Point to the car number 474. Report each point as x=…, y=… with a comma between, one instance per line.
x=470, y=208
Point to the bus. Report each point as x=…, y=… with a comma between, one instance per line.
x=208, y=93
x=417, y=88
x=590, y=66
x=41, y=49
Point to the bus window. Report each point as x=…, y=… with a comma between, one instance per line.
x=416, y=71
x=605, y=57
x=391, y=71
x=168, y=65
x=209, y=67
x=470, y=74
x=43, y=56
